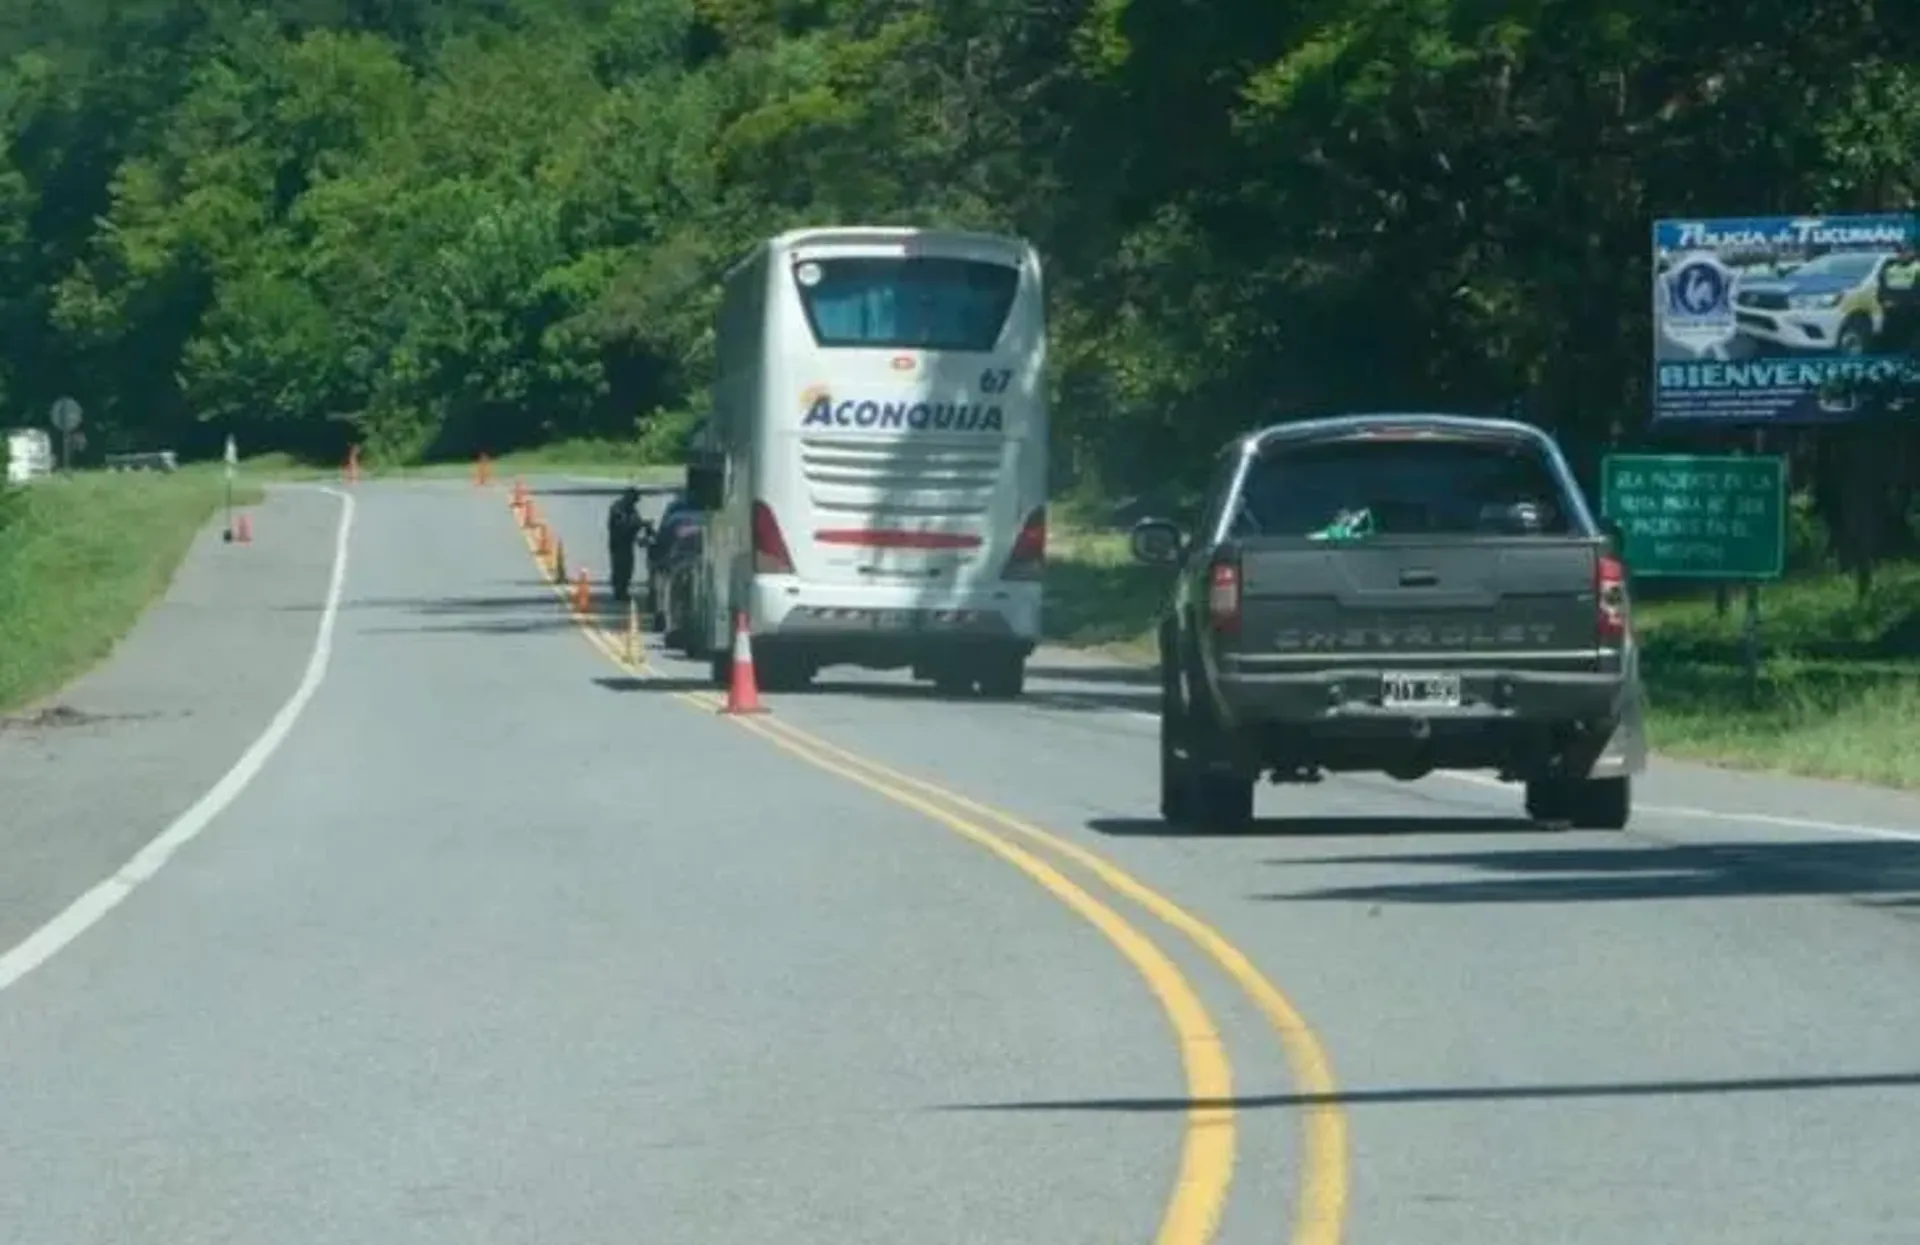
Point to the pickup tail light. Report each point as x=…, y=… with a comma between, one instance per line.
x=1223, y=597
x=770, y=556
x=1029, y=558
x=1610, y=592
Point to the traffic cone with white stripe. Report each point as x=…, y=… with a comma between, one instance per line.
x=743, y=690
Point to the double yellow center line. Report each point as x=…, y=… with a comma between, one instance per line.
x=1209, y=1146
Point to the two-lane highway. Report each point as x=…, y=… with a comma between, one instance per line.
x=1701, y=1030
x=479, y=944
x=493, y=938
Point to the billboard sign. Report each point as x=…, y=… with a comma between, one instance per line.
x=1780, y=319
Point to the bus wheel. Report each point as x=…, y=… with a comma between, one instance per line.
x=1003, y=677
x=951, y=682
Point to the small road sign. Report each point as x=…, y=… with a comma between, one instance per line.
x=1686, y=516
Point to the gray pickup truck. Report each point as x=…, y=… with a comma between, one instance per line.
x=1395, y=594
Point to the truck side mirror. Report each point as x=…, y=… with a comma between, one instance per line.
x=1156, y=542
x=705, y=486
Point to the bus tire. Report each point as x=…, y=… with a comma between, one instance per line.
x=1003, y=676
x=952, y=681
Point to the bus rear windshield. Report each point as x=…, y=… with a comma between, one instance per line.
x=921, y=303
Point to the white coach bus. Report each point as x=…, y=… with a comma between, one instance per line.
x=878, y=486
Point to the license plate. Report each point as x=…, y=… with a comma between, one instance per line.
x=1420, y=690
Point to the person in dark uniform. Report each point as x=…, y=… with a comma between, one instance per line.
x=625, y=530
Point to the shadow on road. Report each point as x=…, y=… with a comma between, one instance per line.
x=607, y=490
x=530, y=610
x=875, y=689
x=1416, y=1095
x=1131, y=676
x=915, y=692
x=1887, y=871
x=654, y=683
x=1316, y=827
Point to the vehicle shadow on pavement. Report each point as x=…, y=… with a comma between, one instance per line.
x=653, y=683
x=1132, y=676
x=1880, y=874
x=1316, y=827
x=874, y=689
x=598, y=490
x=1093, y=700
x=531, y=611
x=1414, y=1095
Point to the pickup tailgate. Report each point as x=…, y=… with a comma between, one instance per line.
x=1461, y=601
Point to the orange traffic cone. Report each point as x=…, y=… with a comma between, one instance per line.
x=542, y=541
x=483, y=470
x=582, y=592
x=243, y=529
x=528, y=516
x=743, y=690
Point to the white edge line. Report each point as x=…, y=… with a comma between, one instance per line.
x=1708, y=814
x=90, y=908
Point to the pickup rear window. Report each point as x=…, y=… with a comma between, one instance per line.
x=1410, y=487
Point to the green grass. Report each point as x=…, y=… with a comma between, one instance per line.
x=573, y=457
x=81, y=558
x=1838, y=694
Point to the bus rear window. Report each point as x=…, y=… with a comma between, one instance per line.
x=921, y=303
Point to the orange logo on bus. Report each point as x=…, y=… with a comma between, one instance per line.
x=904, y=363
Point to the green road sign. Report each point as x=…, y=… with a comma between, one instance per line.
x=1685, y=516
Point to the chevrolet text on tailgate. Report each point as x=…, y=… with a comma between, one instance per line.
x=1395, y=594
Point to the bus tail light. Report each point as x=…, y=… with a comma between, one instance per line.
x=770, y=556
x=1029, y=557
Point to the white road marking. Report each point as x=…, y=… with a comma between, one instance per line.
x=1709, y=814
x=88, y=910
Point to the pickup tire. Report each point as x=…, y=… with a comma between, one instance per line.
x=1583, y=804
x=1192, y=794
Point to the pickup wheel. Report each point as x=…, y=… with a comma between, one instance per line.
x=1601, y=804
x=1547, y=800
x=1192, y=794
x=1582, y=803
x=1176, y=780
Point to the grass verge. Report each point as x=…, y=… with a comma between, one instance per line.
x=81, y=558
x=584, y=457
x=1837, y=694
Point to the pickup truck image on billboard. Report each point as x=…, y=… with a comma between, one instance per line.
x=1779, y=319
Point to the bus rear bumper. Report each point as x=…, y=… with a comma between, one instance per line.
x=851, y=623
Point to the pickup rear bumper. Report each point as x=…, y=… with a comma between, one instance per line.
x=1300, y=697
x=1506, y=719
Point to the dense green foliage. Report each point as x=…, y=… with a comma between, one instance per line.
x=438, y=227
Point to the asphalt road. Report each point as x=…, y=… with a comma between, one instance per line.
x=508, y=943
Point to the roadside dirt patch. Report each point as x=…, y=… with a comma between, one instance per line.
x=57, y=717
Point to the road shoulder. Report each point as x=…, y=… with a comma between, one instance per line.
x=94, y=771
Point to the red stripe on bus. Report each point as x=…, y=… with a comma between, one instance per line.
x=893, y=538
